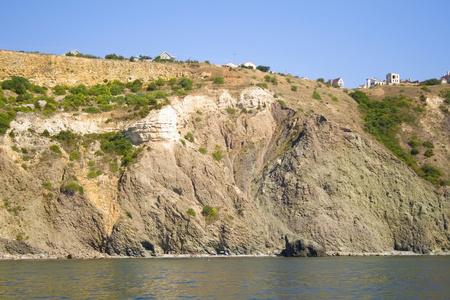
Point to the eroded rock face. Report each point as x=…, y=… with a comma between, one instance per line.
x=158, y=125
x=254, y=97
x=280, y=172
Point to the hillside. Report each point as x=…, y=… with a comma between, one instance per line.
x=141, y=158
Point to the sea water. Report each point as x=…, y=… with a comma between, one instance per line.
x=228, y=278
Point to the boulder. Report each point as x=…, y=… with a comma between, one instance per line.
x=300, y=247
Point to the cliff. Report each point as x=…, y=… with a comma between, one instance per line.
x=270, y=161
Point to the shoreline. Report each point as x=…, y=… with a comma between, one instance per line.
x=52, y=256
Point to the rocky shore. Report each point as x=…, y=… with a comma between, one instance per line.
x=52, y=256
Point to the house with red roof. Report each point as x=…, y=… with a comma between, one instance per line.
x=337, y=82
x=446, y=78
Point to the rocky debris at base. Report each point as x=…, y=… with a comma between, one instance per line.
x=300, y=247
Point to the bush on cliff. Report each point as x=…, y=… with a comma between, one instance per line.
x=5, y=120
x=18, y=85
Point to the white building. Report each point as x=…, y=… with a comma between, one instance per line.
x=371, y=82
x=446, y=78
x=392, y=78
x=166, y=55
x=74, y=52
x=249, y=64
x=230, y=64
x=337, y=82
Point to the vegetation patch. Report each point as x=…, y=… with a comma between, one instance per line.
x=382, y=119
x=217, y=155
x=316, y=95
x=191, y=212
x=71, y=188
x=219, y=80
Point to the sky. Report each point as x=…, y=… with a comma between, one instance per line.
x=351, y=39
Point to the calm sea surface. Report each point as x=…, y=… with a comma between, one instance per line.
x=229, y=278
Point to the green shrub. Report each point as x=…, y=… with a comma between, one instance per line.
x=335, y=99
x=144, y=112
x=128, y=158
x=186, y=83
x=445, y=94
x=55, y=148
x=202, y=150
x=92, y=110
x=92, y=175
x=217, y=155
x=18, y=85
x=139, y=100
x=181, y=93
x=316, y=95
x=37, y=89
x=267, y=78
x=24, y=166
x=431, y=173
x=293, y=88
x=414, y=151
x=191, y=212
x=262, y=85
x=5, y=120
x=429, y=153
x=414, y=143
x=160, y=82
x=71, y=188
x=59, y=89
x=152, y=86
x=209, y=211
x=172, y=81
x=74, y=155
x=263, y=68
x=219, y=80
x=47, y=185
x=282, y=103
x=183, y=142
x=428, y=144
x=106, y=107
x=231, y=110
x=79, y=89
x=134, y=86
x=129, y=215
x=114, y=56
x=274, y=80
x=432, y=81
x=99, y=89
x=189, y=136
x=198, y=119
x=67, y=137
x=114, y=166
x=116, y=88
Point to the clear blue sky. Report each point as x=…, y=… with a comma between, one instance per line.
x=349, y=39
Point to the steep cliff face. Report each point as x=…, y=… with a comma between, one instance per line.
x=311, y=172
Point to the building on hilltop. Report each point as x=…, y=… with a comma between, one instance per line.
x=446, y=78
x=337, y=82
x=372, y=82
x=249, y=64
x=166, y=55
x=392, y=78
x=230, y=65
x=74, y=52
